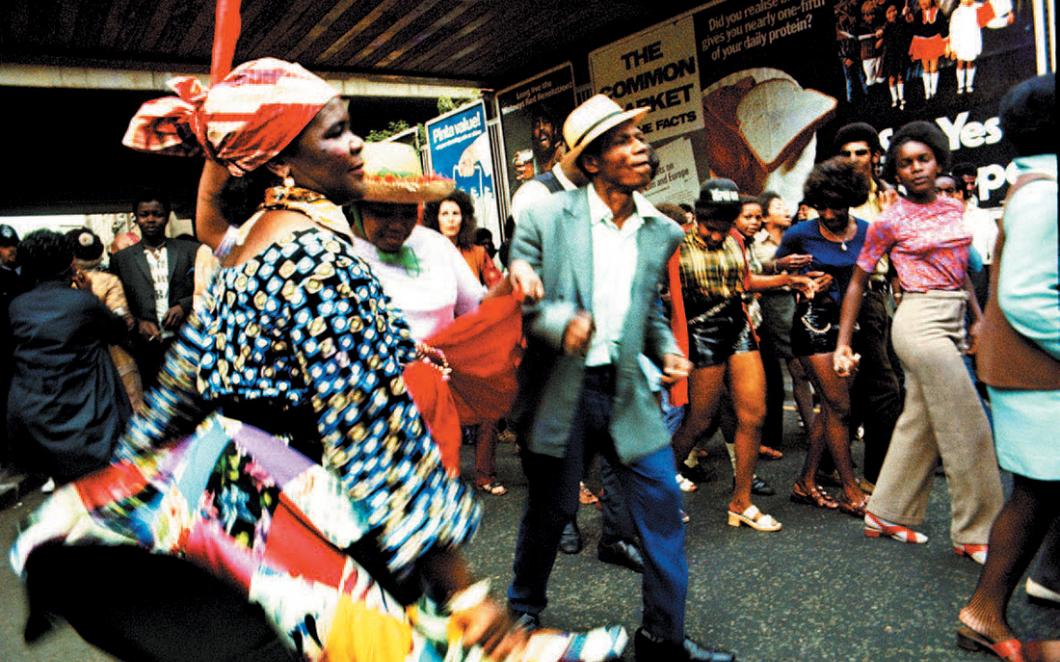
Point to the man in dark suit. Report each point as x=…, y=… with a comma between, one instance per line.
x=67, y=403
x=601, y=252
x=158, y=276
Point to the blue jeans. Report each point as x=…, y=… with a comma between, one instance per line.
x=652, y=497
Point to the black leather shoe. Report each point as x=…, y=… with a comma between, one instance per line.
x=621, y=553
x=647, y=649
x=696, y=474
x=759, y=487
x=570, y=541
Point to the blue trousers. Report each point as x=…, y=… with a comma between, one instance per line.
x=654, y=503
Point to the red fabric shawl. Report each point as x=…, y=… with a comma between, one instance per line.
x=483, y=349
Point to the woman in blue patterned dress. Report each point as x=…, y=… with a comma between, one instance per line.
x=295, y=338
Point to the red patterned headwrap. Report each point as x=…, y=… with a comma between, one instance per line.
x=242, y=122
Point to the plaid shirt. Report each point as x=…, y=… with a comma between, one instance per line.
x=712, y=273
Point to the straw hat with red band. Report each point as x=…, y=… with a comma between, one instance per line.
x=393, y=174
x=243, y=122
x=593, y=118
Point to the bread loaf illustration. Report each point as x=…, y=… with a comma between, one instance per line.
x=760, y=125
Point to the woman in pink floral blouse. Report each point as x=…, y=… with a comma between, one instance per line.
x=942, y=419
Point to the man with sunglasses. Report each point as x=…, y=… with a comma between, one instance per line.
x=860, y=144
x=876, y=394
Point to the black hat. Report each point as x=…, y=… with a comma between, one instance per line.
x=8, y=236
x=718, y=194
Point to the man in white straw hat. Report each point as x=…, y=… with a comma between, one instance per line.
x=618, y=538
x=601, y=252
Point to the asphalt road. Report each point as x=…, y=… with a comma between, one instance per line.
x=817, y=590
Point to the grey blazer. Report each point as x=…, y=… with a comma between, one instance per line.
x=555, y=238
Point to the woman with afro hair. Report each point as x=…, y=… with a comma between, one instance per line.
x=834, y=241
x=942, y=419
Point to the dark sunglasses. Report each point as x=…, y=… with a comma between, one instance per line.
x=854, y=152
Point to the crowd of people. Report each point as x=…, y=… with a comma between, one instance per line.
x=273, y=420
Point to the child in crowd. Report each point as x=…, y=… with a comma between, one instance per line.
x=929, y=43
x=894, y=38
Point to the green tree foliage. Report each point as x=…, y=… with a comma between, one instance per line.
x=445, y=104
x=392, y=127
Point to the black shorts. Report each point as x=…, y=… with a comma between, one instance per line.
x=815, y=328
x=717, y=330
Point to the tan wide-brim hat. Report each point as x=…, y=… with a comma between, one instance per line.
x=392, y=173
x=594, y=117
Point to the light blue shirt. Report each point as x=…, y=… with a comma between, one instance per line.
x=1028, y=291
x=1025, y=421
x=614, y=266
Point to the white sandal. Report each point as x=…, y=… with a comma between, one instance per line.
x=686, y=485
x=754, y=518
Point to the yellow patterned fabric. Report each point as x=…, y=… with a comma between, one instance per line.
x=324, y=212
x=359, y=632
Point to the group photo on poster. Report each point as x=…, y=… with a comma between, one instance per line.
x=906, y=53
x=944, y=61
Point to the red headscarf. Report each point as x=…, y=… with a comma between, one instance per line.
x=243, y=121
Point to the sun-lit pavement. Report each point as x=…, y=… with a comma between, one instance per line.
x=817, y=590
